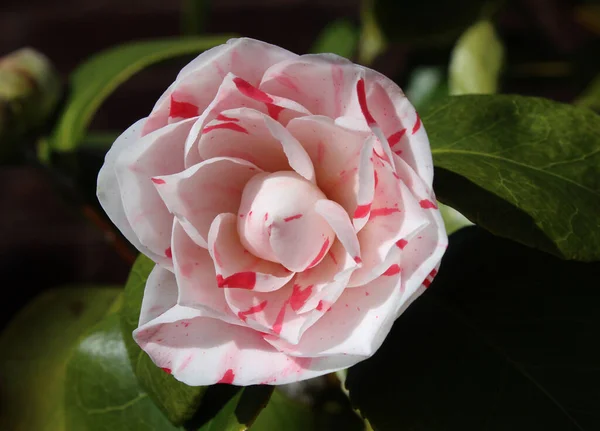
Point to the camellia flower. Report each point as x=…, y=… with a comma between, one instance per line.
x=287, y=203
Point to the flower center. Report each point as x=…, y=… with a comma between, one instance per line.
x=278, y=222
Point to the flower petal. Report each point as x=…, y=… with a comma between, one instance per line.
x=109, y=193
x=196, y=278
x=235, y=266
x=198, y=194
x=257, y=138
x=205, y=351
x=158, y=153
x=235, y=92
x=198, y=82
x=160, y=294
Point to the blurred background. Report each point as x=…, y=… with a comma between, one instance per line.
x=551, y=49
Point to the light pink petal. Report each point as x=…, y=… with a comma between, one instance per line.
x=336, y=155
x=198, y=194
x=160, y=294
x=278, y=221
x=198, y=82
x=109, y=193
x=158, y=153
x=341, y=224
x=395, y=215
x=206, y=351
x=257, y=138
x=235, y=92
x=355, y=325
x=237, y=268
x=324, y=83
x=196, y=278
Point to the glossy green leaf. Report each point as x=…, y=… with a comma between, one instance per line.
x=102, y=393
x=590, y=98
x=282, y=413
x=177, y=400
x=35, y=347
x=98, y=77
x=523, y=168
x=428, y=21
x=340, y=37
x=476, y=61
x=504, y=339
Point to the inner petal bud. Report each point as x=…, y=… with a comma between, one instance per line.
x=278, y=222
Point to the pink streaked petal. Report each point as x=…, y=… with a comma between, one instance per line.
x=323, y=83
x=267, y=144
x=208, y=351
x=356, y=324
x=158, y=153
x=335, y=153
x=231, y=258
x=109, y=193
x=198, y=82
x=366, y=185
x=341, y=224
x=395, y=215
x=160, y=294
x=198, y=194
x=196, y=278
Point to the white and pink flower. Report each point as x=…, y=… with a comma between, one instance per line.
x=287, y=202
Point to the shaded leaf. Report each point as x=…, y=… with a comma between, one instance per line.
x=504, y=339
x=536, y=160
x=476, y=61
x=98, y=77
x=371, y=42
x=282, y=413
x=102, y=392
x=340, y=37
x=177, y=400
x=590, y=98
x=35, y=347
x=425, y=85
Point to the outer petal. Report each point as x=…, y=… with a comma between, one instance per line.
x=109, y=193
x=198, y=194
x=235, y=92
x=235, y=267
x=160, y=294
x=159, y=153
x=257, y=138
x=197, y=83
x=205, y=351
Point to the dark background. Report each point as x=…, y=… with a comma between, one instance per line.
x=552, y=51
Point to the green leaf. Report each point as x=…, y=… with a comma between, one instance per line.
x=340, y=37
x=177, y=400
x=453, y=220
x=99, y=76
x=282, y=413
x=102, y=392
x=194, y=16
x=426, y=85
x=506, y=338
x=372, y=41
x=476, y=61
x=590, y=98
x=524, y=168
x=426, y=21
x=35, y=347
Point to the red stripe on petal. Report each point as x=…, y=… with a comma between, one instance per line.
x=229, y=126
x=274, y=111
x=401, y=243
x=320, y=255
x=417, y=125
x=323, y=306
x=362, y=101
x=357, y=259
x=383, y=212
x=222, y=117
x=182, y=109
x=252, y=310
x=392, y=270
x=395, y=138
x=278, y=325
x=169, y=253
x=362, y=211
x=376, y=178
x=433, y=272
x=167, y=370
x=251, y=91
x=294, y=217
x=157, y=181
x=227, y=377
x=427, y=204
x=299, y=297
x=239, y=280
x=426, y=283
